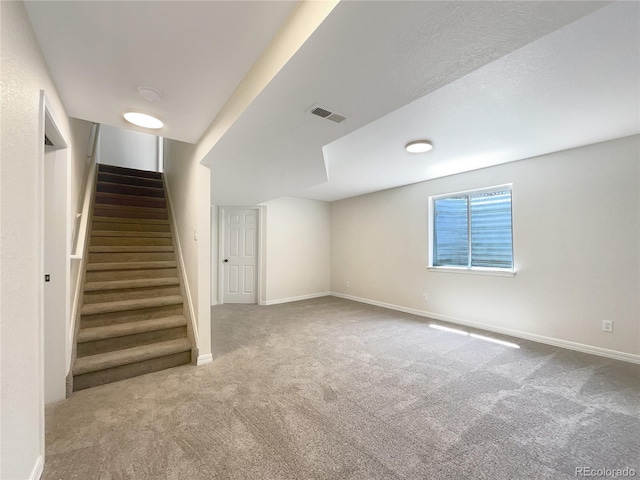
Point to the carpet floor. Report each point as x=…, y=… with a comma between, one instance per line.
x=333, y=389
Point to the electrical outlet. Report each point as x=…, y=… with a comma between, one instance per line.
x=607, y=326
x=425, y=297
x=348, y=284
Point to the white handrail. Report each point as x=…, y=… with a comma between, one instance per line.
x=92, y=139
x=80, y=250
x=81, y=235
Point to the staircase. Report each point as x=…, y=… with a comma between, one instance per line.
x=133, y=311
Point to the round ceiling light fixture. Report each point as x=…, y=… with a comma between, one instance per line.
x=418, y=146
x=143, y=120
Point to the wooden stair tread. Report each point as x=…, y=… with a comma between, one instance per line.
x=102, y=361
x=132, y=328
x=148, y=221
x=99, y=267
x=135, y=304
x=130, y=248
x=128, y=233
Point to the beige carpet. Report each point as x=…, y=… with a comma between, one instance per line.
x=332, y=389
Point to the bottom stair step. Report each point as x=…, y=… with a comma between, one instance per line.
x=111, y=338
x=110, y=375
x=103, y=361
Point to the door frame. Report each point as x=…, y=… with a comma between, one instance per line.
x=261, y=212
x=48, y=125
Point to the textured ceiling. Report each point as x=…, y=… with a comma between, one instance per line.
x=195, y=53
x=577, y=86
x=487, y=82
x=366, y=60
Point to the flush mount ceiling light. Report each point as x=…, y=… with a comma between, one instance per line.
x=143, y=120
x=418, y=146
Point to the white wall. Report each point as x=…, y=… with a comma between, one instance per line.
x=576, y=221
x=24, y=75
x=188, y=185
x=126, y=148
x=298, y=234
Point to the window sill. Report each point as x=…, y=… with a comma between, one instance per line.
x=496, y=272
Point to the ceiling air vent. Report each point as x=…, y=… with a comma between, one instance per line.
x=321, y=112
x=324, y=113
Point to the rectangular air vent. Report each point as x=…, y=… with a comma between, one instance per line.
x=321, y=112
x=324, y=113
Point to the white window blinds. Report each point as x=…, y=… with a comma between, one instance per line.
x=473, y=230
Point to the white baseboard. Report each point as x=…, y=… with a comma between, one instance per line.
x=204, y=359
x=296, y=299
x=36, y=472
x=556, y=342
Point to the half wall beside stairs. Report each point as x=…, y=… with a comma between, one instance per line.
x=133, y=316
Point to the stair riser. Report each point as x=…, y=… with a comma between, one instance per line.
x=129, y=190
x=98, y=219
x=105, y=276
x=130, y=201
x=124, y=212
x=130, y=341
x=130, y=249
x=130, y=241
x=103, y=319
x=130, y=227
x=131, y=172
x=80, y=382
x=136, y=181
x=114, y=267
x=129, y=294
x=130, y=257
x=131, y=284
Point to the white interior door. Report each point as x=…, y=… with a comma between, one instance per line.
x=240, y=259
x=56, y=270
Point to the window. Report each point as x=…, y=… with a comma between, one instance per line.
x=472, y=230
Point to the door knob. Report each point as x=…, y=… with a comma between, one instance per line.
x=226, y=260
